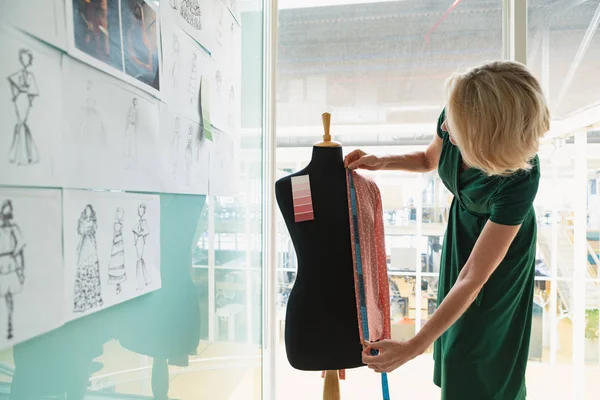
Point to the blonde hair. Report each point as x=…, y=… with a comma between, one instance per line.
x=497, y=115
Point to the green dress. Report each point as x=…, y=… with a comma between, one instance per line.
x=483, y=356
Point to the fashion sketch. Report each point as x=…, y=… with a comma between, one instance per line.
x=87, y=289
x=130, y=149
x=218, y=80
x=24, y=90
x=94, y=14
x=190, y=12
x=193, y=83
x=138, y=43
x=92, y=133
x=188, y=156
x=12, y=261
x=175, y=58
x=140, y=233
x=231, y=107
x=116, y=267
x=200, y=134
x=175, y=147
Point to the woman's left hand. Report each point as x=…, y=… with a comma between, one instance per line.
x=392, y=354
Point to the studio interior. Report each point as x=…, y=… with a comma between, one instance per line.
x=290, y=199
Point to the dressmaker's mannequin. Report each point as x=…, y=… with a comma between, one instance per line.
x=321, y=331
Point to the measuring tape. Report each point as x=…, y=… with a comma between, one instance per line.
x=361, y=282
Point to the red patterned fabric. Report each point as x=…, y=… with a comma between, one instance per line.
x=374, y=260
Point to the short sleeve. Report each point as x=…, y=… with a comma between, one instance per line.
x=441, y=133
x=514, y=199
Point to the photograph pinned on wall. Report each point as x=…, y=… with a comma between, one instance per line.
x=223, y=167
x=140, y=36
x=96, y=30
x=31, y=264
x=194, y=17
x=112, y=249
x=47, y=23
x=186, y=89
x=112, y=132
x=30, y=123
x=185, y=154
x=119, y=37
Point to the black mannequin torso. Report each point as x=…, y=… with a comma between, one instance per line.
x=321, y=330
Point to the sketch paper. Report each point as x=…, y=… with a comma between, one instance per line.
x=185, y=154
x=227, y=35
x=193, y=17
x=226, y=77
x=187, y=86
x=111, y=132
x=47, y=23
x=223, y=168
x=31, y=264
x=111, y=250
x=119, y=37
x=30, y=111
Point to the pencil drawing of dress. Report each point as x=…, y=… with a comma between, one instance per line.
x=188, y=157
x=130, y=150
x=175, y=147
x=140, y=233
x=12, y=261
x=190, y=12
x=116, y=268
x=24, y=90
x=91, y=133
x=87, y=290
x=193, y=83
x=175, y=61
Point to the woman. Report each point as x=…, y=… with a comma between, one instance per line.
x=140, y=48
x=485, y=151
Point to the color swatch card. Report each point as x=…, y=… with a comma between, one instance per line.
x=303, y=209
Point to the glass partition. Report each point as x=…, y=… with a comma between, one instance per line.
x=198, y=335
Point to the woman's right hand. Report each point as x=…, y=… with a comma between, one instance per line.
x=360, y=159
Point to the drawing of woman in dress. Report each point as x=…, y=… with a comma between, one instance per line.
x=188, y=156
x=190, y=12
x=175, y=147
x=87, y=290
x=140, y=233
x=175, y=58
x=130, y=150
x=193, y=83
x=231, y=108
x=92, y=134
x=24, y=90
x=116, y=268
x=12, y=261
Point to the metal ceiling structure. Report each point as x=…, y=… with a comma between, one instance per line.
x=385, y=63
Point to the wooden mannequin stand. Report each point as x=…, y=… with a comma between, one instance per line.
x=331, y=387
